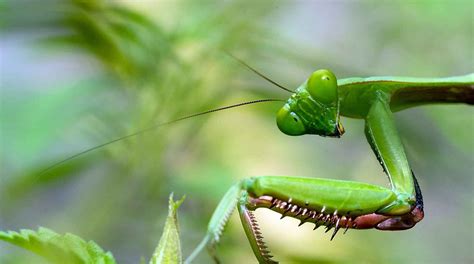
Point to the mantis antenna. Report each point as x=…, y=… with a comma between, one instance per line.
x=258, y=73
x=155, y=127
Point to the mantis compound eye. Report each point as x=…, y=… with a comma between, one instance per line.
x=322, y=86
x=289, y=122
x=313, y=108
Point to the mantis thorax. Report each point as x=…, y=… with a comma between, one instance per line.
x=313, y=108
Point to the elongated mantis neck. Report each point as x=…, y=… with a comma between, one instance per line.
x=357, y=94
x=416, y=96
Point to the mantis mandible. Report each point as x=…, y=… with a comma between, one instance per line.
x=315, y=108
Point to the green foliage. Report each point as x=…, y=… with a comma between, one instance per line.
x=72, y=249
x=168, y=250
x=58, y=248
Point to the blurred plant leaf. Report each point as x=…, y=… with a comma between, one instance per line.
x=58, y=248
x=165, y=64
x=169, y=247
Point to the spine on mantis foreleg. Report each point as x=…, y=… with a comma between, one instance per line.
x=218, y=221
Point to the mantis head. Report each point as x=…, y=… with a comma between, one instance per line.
x=313, y=108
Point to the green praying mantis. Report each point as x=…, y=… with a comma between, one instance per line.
x=315, y=108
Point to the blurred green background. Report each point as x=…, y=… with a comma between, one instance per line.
x=75, y=74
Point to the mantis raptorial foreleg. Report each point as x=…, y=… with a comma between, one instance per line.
x=323, y=202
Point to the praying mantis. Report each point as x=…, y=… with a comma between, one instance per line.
x=315, y=107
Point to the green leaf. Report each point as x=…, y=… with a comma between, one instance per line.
x=169, y=247
x=58, y=248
